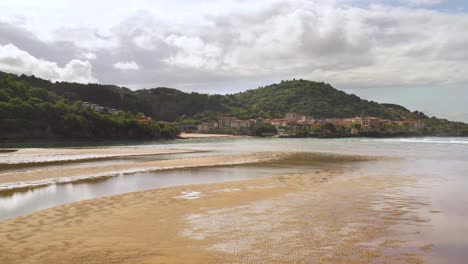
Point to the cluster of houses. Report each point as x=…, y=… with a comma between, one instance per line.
x=226, y=123
x=293, y=123
x=101, y=109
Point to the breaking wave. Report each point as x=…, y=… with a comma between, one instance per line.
x=425, y=140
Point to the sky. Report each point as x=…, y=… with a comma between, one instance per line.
x=409, y=52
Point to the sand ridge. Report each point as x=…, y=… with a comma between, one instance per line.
x=37, y=178
x=199, y=135
x=53, y=155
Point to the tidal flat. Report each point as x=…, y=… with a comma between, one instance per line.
x=244, y=201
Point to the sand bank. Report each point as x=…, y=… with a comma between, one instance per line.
x=50, y=155
x=13, y=180
x=323, y=217
x=198, y=135
x=122, y=151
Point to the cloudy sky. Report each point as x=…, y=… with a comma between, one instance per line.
x=411, y=52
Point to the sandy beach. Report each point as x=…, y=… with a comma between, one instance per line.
x=298, y=218
x=199, y=135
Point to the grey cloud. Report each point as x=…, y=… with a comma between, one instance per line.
x=347, y=46
x=60, y=52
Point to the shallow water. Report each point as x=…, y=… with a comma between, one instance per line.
x=18, y=203
x=439, y=164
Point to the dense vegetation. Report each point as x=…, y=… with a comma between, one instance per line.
x=303, y=97
x=263, y=129
x=30, y=112
x=316, y=99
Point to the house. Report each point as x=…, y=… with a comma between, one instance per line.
x=113, y=111
x=279, y=123
x=207, y=127
x=370, y=123
x=94, y=107
x=259, y=121
x=225, y=121
x=293, y=117
x=187, y=127
x=411, y=124
x=144, y=119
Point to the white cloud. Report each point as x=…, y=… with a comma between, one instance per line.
x=424, y=2
x=15, y=60
x=127, y=66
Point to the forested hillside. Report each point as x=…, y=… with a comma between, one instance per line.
x=316, y=99
x=28, y=112
x=299, y=96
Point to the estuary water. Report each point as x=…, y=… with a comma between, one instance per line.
x=440, y=165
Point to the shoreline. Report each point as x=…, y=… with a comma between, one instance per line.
x=201, y=135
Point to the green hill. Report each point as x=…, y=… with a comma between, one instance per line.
x=28, y=112
x=316, y=99
x=299, y=96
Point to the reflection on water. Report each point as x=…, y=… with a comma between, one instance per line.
x=86, y=163
x=29, y=200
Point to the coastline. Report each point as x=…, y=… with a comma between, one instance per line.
x=200, y=135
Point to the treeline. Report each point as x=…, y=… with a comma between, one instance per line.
x=164, y=104
x=30, y=112
x=316, y=99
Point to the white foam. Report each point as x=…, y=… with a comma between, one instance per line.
x=43, y=182
x=423, y=140
x=189, y=195
x=44, y=158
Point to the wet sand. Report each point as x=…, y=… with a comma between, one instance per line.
x=321, y=217
x=115, y=151
x=13, y=180
x=199, y=135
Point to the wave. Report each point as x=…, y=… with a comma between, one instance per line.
x=48, y=158
x=15, y=159
x=239, y=160
x=279, y=158
x=423, y=140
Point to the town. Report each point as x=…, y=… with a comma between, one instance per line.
x=296, y=125
x=293, y=125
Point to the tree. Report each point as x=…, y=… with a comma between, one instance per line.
x=259, y=130
x=329, y=127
